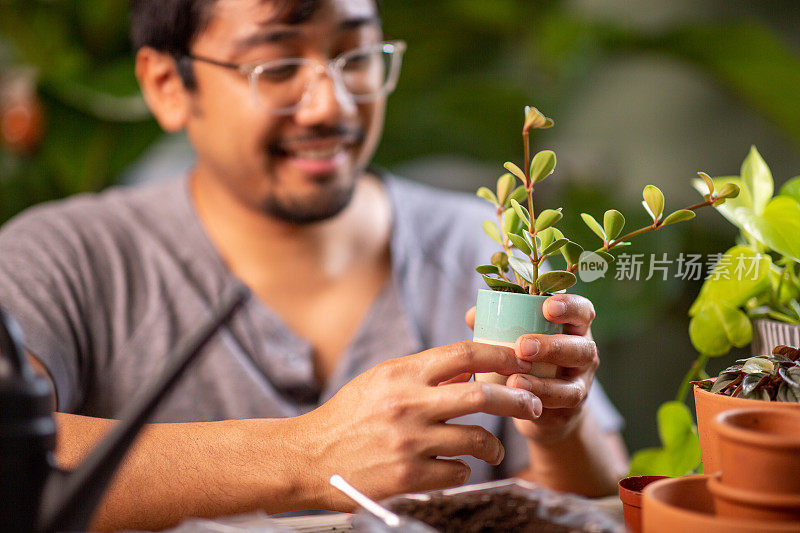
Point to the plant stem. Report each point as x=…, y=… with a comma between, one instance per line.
x=506, y=246
x=627, y=236
x=697, y=367
x=698, y=206
x=776, y=295
x=652, y=227
x=531, y=229
x=781, y=317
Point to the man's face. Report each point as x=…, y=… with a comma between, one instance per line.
x=301, y=167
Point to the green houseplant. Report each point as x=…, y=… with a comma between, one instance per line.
x=754, y=288
x=516, y=275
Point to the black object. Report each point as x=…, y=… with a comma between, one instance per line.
x=34, y=494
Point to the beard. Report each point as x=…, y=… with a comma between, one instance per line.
x=309, y=208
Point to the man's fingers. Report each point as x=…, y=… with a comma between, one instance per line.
x=461, y=378
x=447, y=362
x=570, y=351
x=441, y=474
x=554, y=393
x=469, y=318
x=450, y=440
x=575, y=312
x=459, y=399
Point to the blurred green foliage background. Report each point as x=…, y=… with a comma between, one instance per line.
x=641, y=92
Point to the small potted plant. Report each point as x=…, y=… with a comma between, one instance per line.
x=751, y=297
x=771, y=381
x=756, y=284
x=516, y=276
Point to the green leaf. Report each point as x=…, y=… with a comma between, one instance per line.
x=674, y=423
x=680, y=454
x=502, y=285
x=740, y=274
x=708, y=181
x=653, y=202
x=554, y=246
x=613, y=222
x=593, y=225
x=545, y=236
x=755, y=365
x=500, y=260
x=519, y=194
x=681, y=215
x=522, y=267
x=520, y=243
x=791, y=188
x=778, y=227
x=492, y=231
x=757, y=178
x=716, y=328
x=729, y=190
x=505, y=185
x=487, y=194
x=606, y=256
x=547, y=218
x=734, y=208
x=514, y=169
x=511, y=222
x=542, y=165
x=572, y=252
x=555, y=280
x=522, y=213
x=487, y=269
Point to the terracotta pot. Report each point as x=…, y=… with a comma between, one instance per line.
x=708, y=406
x=685, y=505
x=736, y=502
x=501, y=317
x=630, y=492
x=760, y=449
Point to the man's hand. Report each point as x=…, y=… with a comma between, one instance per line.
x=574, y=352
x=568, y=451
x=386, y=432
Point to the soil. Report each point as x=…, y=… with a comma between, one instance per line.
x=483, y=513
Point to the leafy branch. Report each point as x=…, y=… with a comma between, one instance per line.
x=537, y=239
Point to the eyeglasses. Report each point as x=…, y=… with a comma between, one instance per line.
x=284, y=85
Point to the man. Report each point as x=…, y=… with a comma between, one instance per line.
x=283, y=102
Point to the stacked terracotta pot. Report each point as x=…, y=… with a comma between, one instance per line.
x=759, y=452
x=756, y=488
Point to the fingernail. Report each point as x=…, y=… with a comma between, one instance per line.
x=523, y=383
x=556, y=308
x=500, y=455
x=537, y=407
x=529, y=347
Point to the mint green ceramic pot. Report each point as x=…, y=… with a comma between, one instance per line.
x=502, y=317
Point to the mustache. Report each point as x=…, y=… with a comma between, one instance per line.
x=343, y=133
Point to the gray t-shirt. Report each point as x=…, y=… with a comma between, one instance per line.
x=105, y=285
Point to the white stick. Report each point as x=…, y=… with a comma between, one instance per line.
x=391, y=519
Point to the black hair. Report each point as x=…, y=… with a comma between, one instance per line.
x=170, y=26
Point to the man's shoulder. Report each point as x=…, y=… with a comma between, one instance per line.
x=443, y=226
x=114, y=209
x=418, y=197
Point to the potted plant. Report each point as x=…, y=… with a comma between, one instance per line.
x=516, y=275
x=753, y=294
x=757, y=282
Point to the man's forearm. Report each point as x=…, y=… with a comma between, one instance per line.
x=206, y=469
x=589, y=461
